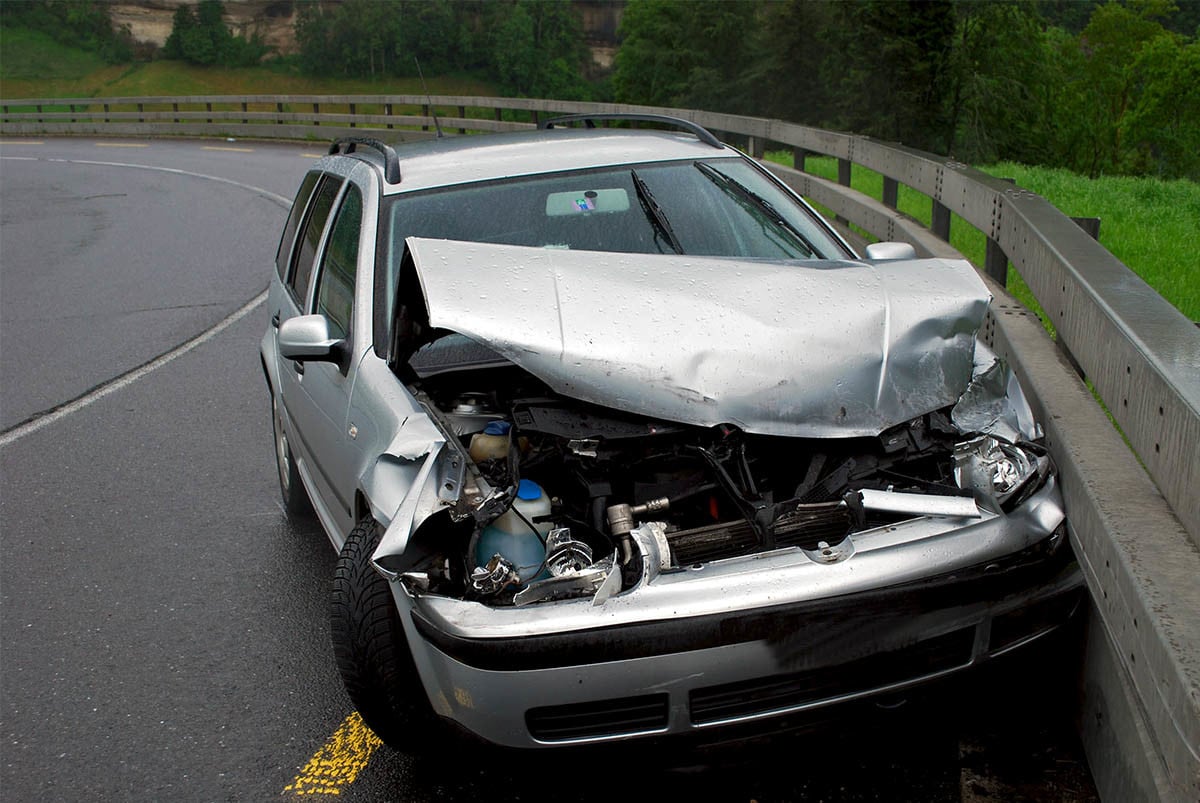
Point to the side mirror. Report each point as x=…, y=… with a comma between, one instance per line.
x=882, y=251
x=307, y=338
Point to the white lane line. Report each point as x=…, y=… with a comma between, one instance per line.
x=125, y=380
x=20, y=142
x=122, y=145
x=286, y=203
x=221, y=148
x=117, y=383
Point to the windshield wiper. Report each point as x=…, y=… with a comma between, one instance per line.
x=654, y=213
x=736, y=188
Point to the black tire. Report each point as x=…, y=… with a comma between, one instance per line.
x=372, y=652
x=296, y=503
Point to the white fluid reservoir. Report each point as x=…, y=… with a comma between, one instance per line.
x=513, y=538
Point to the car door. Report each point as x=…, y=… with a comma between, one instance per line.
x=320, y=407
x=296, y=298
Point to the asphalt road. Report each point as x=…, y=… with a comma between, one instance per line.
x=162, y=626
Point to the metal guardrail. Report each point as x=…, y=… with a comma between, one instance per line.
x=1141, y=354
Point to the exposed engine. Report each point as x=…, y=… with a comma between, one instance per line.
x=595, y=499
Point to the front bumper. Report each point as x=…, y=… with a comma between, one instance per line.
x=758, y=638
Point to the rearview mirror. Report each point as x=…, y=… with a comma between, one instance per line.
x=883, y=251
x=307, y=338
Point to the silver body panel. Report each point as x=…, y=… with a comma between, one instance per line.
x=458, y=160
x=798, y=349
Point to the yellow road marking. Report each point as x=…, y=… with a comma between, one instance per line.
x=122, y=145
x=305, y=155
x=339, y=762
x=222, y=148
x=20, y=142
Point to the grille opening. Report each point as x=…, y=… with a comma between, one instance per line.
x=805, y=528
x=778, y=692
x=600, y=718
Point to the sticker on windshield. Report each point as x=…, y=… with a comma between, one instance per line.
x=586, y=202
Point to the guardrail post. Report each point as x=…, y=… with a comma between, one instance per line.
x=940, y=221
x=995, y=261
x=140, y=110
x=105, y=113
x=756, y=147
x=175, y=108
x=244, y=120
x=387, y=109
x=425, y=113
x=39, y=111
x=799, y=155
x=891, y=192
x=316, y=111
x=1089, y=224
x=499, y=114
x=70, y=106
x=208, y=108
x=279, y=110
x=462, y=112
x=844, y=175
x=353, y=110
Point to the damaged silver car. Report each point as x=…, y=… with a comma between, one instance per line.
x=618, y=438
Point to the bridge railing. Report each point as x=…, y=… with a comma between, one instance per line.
x=1137, y=540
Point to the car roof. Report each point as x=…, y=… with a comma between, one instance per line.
x=450, y=160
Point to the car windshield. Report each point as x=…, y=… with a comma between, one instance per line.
x=717, y=207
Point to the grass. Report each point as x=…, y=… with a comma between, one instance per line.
x=31, y=56
x=32, y=65
x=1147, y=223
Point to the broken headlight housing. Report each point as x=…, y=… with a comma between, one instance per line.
x=999, y=474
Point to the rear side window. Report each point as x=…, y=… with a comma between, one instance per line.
x=293, y=222
x=306, y=247
x=335, y=283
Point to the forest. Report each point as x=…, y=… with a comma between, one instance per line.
x=1100, y=88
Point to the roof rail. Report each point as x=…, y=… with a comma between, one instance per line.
x=702, y=133
x=391, y=162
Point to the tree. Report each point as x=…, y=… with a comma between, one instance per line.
x=201, y=37
x=677, y=53
x=1123, y=52
x=537, y=48
x=1004, y=85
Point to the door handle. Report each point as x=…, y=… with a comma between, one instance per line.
x=299, y=366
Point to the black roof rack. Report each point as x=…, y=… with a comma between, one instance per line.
x=391, y=162
x=702, y=133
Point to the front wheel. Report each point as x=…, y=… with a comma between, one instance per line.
x=371, y=650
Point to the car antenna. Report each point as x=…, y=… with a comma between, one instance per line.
x=432, y=110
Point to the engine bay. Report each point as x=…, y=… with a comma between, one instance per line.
x=593, y=499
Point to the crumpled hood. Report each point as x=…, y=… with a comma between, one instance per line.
x=798, y=349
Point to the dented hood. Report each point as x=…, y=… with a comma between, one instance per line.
x=798, y=349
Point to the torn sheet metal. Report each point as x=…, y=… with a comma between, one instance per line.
x=994, y=403
x=798, y=349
